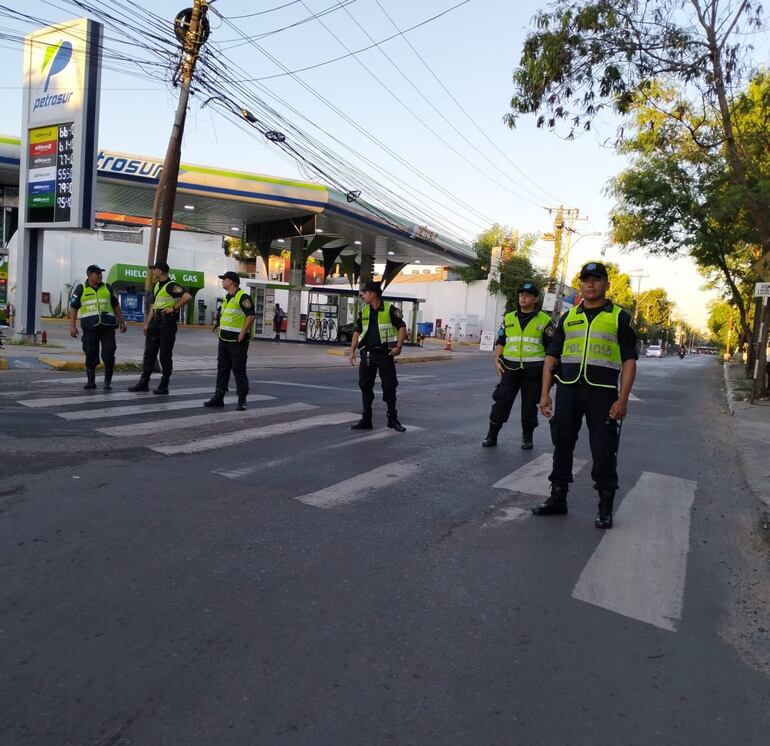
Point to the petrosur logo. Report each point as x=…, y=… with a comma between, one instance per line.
x=55, y=61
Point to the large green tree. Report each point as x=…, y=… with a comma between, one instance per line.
x=589, y=55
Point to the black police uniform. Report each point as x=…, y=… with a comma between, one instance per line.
x=526, y=379
x=580, y=399
x=233, y=355
x=161, y=334
x=98, y=332
x=375, y=356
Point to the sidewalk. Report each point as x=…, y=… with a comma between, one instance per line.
x=751, y=424
x=195, y=349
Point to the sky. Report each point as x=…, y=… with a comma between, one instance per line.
x=485, y=172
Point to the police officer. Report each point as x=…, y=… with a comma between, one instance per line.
x=160, y=328
x=519, y=356
x=234, y=323
x=593, y=347
x=99, y=310
x=380, y=333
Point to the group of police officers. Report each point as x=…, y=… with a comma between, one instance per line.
x=591, y=355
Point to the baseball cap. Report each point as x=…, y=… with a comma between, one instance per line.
x=93, y=268
x=372, y=287
x=593, y=269
x=529, y=287
x=162, y=266
x=234, y=276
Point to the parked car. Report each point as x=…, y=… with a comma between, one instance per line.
x=654, y=351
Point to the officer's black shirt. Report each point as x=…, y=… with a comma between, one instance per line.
x=626, y=335
x=372, y=341
x=75, y=302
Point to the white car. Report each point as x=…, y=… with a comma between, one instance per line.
x=654, y=351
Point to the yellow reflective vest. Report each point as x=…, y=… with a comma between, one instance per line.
x=388, y=332
x=524, y=347
x=232, y=317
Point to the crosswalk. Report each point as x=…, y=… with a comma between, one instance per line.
x=637, y=570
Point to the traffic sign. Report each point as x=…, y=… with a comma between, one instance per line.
x=762, y=290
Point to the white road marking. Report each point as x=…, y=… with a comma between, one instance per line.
x=508, y=514
x=79, y=379
x=639, y=568
x=532, y=478
x=379, y=435
x=634, y=397
x=214, y=415
x=360, y=486
x=413, y=376
x=255, y=433
x=308, y=386
x=85, y=398
x=151, y=407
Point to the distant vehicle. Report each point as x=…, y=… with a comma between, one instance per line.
x=654, y=351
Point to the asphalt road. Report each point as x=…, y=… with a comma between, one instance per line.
x=277, y=579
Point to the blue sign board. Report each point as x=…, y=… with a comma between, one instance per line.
x=131, y=305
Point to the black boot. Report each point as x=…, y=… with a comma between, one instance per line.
x=365, y=423
x=526, y=440
x=491, y=440
x=556, y=504
x=393, y=422
x=604, y=516
x=218, y=400
x=162, y=387
x=108, y=379
x=241, y=405
x=90, y=378
x=143, y=384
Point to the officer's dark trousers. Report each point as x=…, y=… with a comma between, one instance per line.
x=572, y=404
x=232, y=356
x=159, y=342
x=526, y=380
x=99, y=337
x=371, y=363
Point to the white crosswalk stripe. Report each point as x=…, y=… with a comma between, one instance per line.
x=360, y=486
x=217, y=415
x=208, y=443
x=149, y=408
x=639, y=568
x=532, y=478
x=64, y=401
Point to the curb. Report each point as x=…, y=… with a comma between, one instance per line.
x=75, y=365
x=401, y=360
x=729, y=391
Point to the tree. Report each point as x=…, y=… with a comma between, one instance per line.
x=620, y=291
x=722, y=323
x=514, y=272
x=497, y=235
x=592, y=54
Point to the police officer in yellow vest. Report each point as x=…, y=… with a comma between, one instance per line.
x=236, y=318
x=593, y=350
x=99, y=310
x=379, y=334
x=519, y=356
x=160, y=328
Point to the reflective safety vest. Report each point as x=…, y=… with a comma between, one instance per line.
x=96, y=307
x=163, y=299
x=231, y=318
x=524, y=347
x=591, y=350
x=388, y=332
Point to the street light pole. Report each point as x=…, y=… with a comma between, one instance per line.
x=563, y=273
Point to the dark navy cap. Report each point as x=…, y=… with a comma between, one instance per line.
x=529, y=287
x=593, y=269
x=93, y=268
x=372, y=287
x=234, y=276
x=162, y=266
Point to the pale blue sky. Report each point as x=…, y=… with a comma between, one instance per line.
x=472, y=49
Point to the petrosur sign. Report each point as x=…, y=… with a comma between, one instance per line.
x=62, y=68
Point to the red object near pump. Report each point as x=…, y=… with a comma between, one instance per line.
x=44, y=337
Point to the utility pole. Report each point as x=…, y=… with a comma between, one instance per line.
x=639, y=277
x=192, y=29
x=559, y=264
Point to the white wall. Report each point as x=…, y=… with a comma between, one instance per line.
x=66, y=254
x=449, y=298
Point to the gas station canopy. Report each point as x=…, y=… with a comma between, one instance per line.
x=264, y=209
